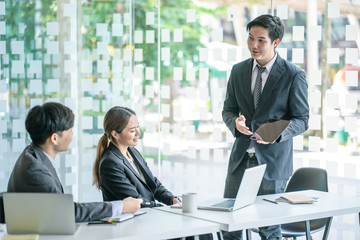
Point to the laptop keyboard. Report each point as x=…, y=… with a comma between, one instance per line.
x=226, y=204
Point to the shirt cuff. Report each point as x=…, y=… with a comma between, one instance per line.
x=117, y=208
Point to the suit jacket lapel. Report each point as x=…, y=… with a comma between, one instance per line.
x=275, y=74
x=41, y=156
x=147, y=175
x=247, y=73
x=126, y=162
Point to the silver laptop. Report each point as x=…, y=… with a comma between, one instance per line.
x=39, y=213
x=246, y=195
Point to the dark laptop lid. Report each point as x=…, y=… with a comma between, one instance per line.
x=270, y=130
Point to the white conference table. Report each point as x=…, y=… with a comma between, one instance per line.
x=152, y=225
x=263, y=213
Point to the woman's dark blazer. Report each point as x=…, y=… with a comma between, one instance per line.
x=119, y=180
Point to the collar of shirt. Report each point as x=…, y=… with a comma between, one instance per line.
x=136, y=168
x=50, y=159
x=264, y=75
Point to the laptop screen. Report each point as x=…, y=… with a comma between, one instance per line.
x=246, y=194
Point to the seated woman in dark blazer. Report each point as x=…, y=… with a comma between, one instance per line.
x=119, y=169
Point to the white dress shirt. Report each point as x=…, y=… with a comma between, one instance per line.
x=264, y=77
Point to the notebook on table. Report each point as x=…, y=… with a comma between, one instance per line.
x=39, y=213
x=123, y=217
x=246, y=195
x=296, y=198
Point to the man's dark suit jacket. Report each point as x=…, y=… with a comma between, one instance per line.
x=33, y=172
x=284, y=96
x=118, y=179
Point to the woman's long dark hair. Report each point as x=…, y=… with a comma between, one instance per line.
x=115, y=119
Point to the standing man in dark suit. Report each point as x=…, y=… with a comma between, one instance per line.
x=50, y=129
x=262, y=87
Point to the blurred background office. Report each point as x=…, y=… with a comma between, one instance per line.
x=170, y=61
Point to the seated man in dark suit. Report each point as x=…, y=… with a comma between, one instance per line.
x=50, y=129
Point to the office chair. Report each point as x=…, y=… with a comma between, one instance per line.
x=2, y=217
x=304, y=179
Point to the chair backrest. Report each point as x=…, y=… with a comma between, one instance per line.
x=304, y=179
x=2, y=217
x=308, y=178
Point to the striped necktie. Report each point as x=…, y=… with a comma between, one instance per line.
x=257, y=92
x=258, y=85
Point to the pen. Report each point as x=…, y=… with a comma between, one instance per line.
x=268, y=200
x=101, y=222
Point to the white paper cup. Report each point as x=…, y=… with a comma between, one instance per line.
x=189, y=202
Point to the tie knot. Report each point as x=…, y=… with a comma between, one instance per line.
x=261, y=69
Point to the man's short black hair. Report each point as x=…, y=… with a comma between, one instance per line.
x=272, y=23
x=42, y=121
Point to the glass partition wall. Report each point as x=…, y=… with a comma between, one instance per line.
x=170, y=61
